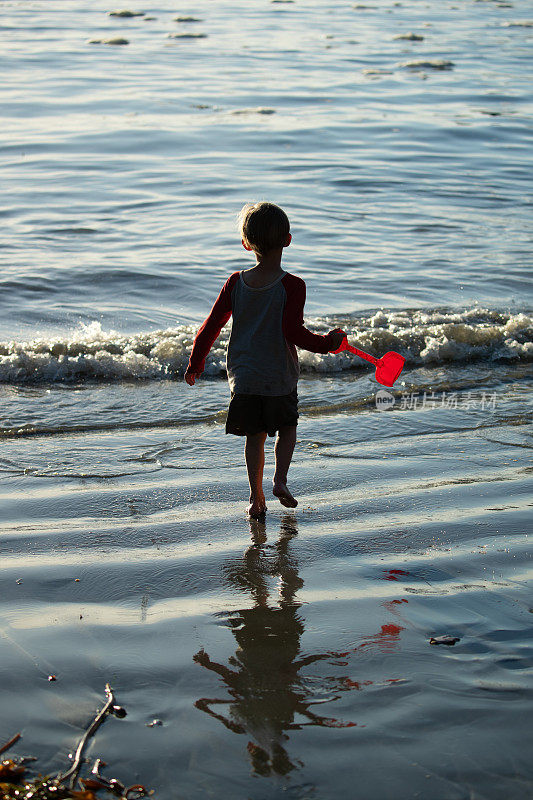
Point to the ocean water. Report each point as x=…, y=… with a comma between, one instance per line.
x=397, y=137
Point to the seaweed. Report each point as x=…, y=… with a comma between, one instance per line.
x=14, y=785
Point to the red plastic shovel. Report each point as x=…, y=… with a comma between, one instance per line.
x=388, y=367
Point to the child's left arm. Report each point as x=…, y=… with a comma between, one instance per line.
x=293, y=321
x=209, y=330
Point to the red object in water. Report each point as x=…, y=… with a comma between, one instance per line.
x=388, y=367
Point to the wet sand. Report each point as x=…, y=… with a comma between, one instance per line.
x=288, y=655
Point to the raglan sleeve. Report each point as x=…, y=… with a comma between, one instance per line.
x=294, y=329
x=211, y=327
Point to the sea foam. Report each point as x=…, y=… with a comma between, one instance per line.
x=423, y=337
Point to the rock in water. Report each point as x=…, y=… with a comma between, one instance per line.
x=117, y=40
x=187, y=35
x=519, y=23
x=411, y=37
x=126, y=13
x=439, y=63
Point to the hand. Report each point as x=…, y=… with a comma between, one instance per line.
x=336, y=338
x=190, y=377
x=201, y=657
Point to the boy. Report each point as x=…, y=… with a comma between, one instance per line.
x=267, y=307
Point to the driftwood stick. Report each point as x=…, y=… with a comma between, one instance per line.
x=11, y=742
x=74, y=771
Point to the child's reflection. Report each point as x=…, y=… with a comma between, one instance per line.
x=267, y=691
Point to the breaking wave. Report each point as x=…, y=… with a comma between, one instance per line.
x=423, y=337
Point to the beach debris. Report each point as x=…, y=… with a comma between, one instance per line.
x=10, y=743
x=445, y=639
x=126, y=13
x=438, y=63
x=116, y=40
x=109, y=708
x=410, y=37
x=154, y=723
x=64, y=786
x=10, y=770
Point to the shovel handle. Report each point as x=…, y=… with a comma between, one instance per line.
x=360, y=353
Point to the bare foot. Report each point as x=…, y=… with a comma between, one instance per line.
x=257, y=507
x=284, y=496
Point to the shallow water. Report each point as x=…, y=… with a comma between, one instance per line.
x=316, y=624
x=124, y=168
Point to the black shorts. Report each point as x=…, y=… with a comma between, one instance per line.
x=253, y=413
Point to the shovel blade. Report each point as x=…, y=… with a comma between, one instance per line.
x=389, y=368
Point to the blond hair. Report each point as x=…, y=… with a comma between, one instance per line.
x=263, y=227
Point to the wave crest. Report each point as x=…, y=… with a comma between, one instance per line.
x=434, y=336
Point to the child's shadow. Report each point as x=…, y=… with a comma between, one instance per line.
x=265, y=686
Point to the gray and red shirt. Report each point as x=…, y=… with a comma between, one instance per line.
x=267, y=327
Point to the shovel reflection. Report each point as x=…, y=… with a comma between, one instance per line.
x=268, y=695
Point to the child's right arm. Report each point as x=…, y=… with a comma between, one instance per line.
x=209, y=330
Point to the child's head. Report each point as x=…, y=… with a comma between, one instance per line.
x=264, y=227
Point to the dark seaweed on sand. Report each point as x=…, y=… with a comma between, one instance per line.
x=15, y=786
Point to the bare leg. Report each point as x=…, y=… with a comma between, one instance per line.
x=254, y=453
x=284, y=449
